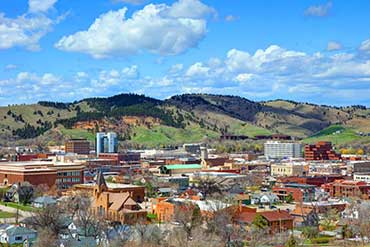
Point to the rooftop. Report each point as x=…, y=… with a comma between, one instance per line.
x=183, y=166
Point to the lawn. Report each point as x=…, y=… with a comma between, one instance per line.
x=19, y=206
x=6, y=215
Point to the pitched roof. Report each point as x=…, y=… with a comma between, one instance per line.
x=19, y=230
x=276, y=215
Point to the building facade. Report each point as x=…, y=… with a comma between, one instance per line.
x=106, y=142
x=320, y=151
x=77, y=146
x=281, y=150
x=288, y=169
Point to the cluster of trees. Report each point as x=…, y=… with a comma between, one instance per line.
x=58, y=105
x=121, y=100
x=144, y=109
x=30, y=131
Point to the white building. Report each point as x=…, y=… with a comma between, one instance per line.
x=282, y=150
x=106, y=142
x=364, y=177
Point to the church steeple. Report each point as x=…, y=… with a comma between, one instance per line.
x=101, y=185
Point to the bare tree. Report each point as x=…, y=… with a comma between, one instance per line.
x=51, y=218
x=46, y=238
x=188, y=216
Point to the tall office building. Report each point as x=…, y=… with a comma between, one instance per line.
x=281, y=150
x=106, y=143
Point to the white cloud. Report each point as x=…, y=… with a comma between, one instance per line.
x=333, y=46
x=197, y=70
x=319, y=10
x=365, y=46
x=190, y=9
x=26, y=30
x=158, y=29
x=35, y=6
x=131, y=72
x=243, y=77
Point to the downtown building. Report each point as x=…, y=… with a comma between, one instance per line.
x=282, y=150
x=106, y=143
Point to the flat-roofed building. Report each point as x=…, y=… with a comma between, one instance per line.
x=348, y=188
x=77, y=146
x=179, y=169
x=63, y=175
x=288, y=169
x=282, y=150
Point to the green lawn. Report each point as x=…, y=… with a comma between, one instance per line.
x=19, y=206
x=6, y=215
x=165, y=135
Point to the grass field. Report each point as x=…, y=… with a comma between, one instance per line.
x=19, y=206
x=345, y=135
x=4, y=215
x=240, y=128
x=165, y=135
x=77, y=133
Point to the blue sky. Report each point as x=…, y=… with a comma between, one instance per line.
x=63, y=50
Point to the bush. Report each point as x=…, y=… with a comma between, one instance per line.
x=320, y=240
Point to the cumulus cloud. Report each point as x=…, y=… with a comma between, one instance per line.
x=158, y=29
x=272, y=72
x=26, y=30
x=35, y=6
x=333, y=46
x=319, y=10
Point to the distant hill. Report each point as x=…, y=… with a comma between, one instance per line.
x=181, y=118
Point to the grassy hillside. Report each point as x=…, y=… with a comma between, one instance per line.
x=338, y=135
x=183, y=118
x=169, y=135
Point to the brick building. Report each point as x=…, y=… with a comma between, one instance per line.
x=116, y=206
x=311, y=180
x=64, y=175
x=278, y=221
x=299, y=192
x=320, y=151
x=77, y=146
x=346, y=188
x=122, y=158
x=136, y=192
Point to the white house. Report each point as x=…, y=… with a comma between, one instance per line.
x=16, y=234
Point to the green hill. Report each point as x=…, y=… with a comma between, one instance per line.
x=182, y=118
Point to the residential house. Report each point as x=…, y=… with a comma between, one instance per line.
x=16, y=234
x=277, y=221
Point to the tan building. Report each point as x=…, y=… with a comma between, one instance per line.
x=115, y=206
x=288, y=169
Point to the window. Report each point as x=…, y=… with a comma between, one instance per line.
x=18, y=238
